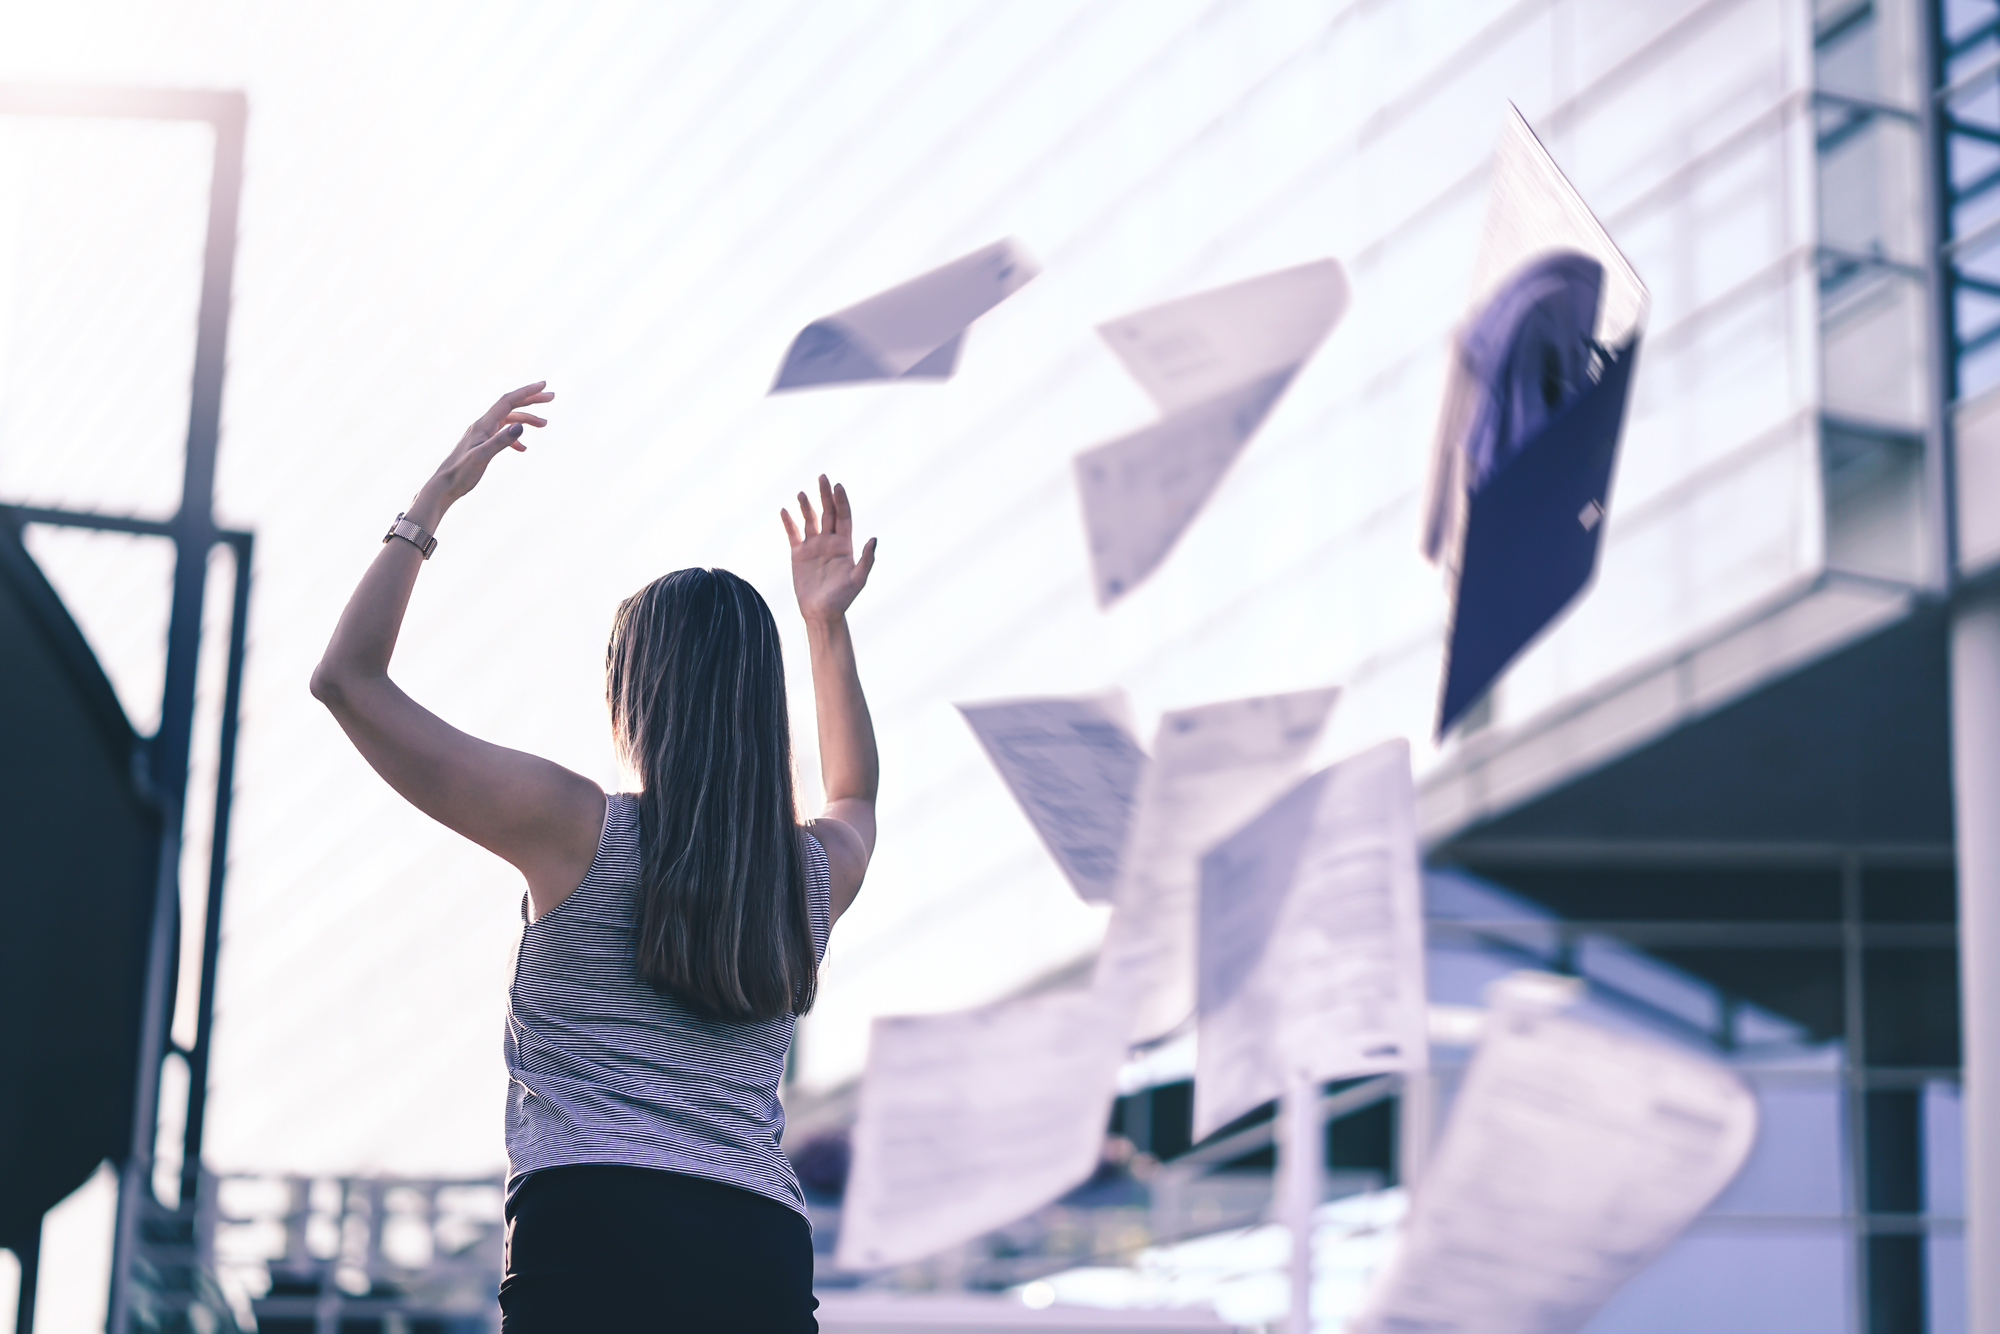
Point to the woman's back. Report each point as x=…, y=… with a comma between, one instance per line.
x=604, y=1068
x=648, y=1189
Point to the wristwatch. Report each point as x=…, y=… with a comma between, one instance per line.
x=412, y=533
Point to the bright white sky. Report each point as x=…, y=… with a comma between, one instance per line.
x=642, y=203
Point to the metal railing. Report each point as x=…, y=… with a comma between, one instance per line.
x=314, y=1255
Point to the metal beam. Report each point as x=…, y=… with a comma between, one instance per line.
x=107, y=102
x=29, y=1260
x=107, y=523
x=110, y=523
x=1975, y=710
x=1704, y=854
x=1975, y=680
x=1821, y=935
x=194, y=525
x=218, y=865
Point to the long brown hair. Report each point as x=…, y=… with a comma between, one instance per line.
x=696, y=682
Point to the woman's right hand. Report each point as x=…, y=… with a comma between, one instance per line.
x=498, y=428
x=825, y=575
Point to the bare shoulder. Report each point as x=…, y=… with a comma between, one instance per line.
x=585, y=808
x=573, y=828
x=846, y=858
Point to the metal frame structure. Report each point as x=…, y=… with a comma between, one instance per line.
x=1965, y=158
x=166, y=1237
x=1962, y=134
x=1886, y=1211
x=335, y=1266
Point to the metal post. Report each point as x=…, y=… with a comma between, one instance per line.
x=135, y=1183
x=194, y=533
x=1300, y=1152
x=1416, y=1121
x=1975, y=709
x=1139, y=1120
x=1940, y=297
x=1975, y=763
x=1854, y=1087
x=29, y=1256
x=218, y=865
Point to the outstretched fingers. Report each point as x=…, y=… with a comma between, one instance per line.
x=507, y=437
x=538, y=392
x=833, y=517
x=504, y=409
x=843, y=508
x=828, y=506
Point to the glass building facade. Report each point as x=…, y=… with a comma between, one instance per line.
x=1827, y=988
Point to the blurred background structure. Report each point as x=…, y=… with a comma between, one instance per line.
x=1721, y=790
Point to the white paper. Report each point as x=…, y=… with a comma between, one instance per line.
x=1074, y=768
x=1213, y=768
x=1311, y=941
x=1574, y=1155
x=1142, y=491
x=970, y=1120
x=1216, y=363
x=1200, y=347
x=912, y=331
x=1532, y=210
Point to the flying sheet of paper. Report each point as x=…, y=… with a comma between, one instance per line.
x=1545, y=529
x=1573, y=1156
x=1216, y=363
x=1213, y=768
x=968, y=1121
x=1531, y=211
x=910, y=332
x=1531, y=539
x=1074, y=767
x=1311, y=946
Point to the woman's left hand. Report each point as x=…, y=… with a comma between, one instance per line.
x=825, y=575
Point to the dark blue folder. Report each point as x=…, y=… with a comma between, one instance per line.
x=1531, y=536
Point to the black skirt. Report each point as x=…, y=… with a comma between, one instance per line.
x=613, y=1249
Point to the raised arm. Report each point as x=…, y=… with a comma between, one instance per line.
x=827, y=577
x=537, y=815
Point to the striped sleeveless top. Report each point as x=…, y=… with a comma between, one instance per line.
x=605, y=1069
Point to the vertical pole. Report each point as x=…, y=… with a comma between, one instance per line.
x=1299, y=1157
x=218, y=866
x=194, y=524
x=1975, y=765
x=1139, y=1120
x=29, y=1255
x=1940, y=300
x=135, y=1182
x=1416, y=1119
x=1854, y=1089
x=1165, y=1190
x=193, y=535
x=1975, y=718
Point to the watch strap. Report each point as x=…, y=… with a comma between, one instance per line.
x=413, y=533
